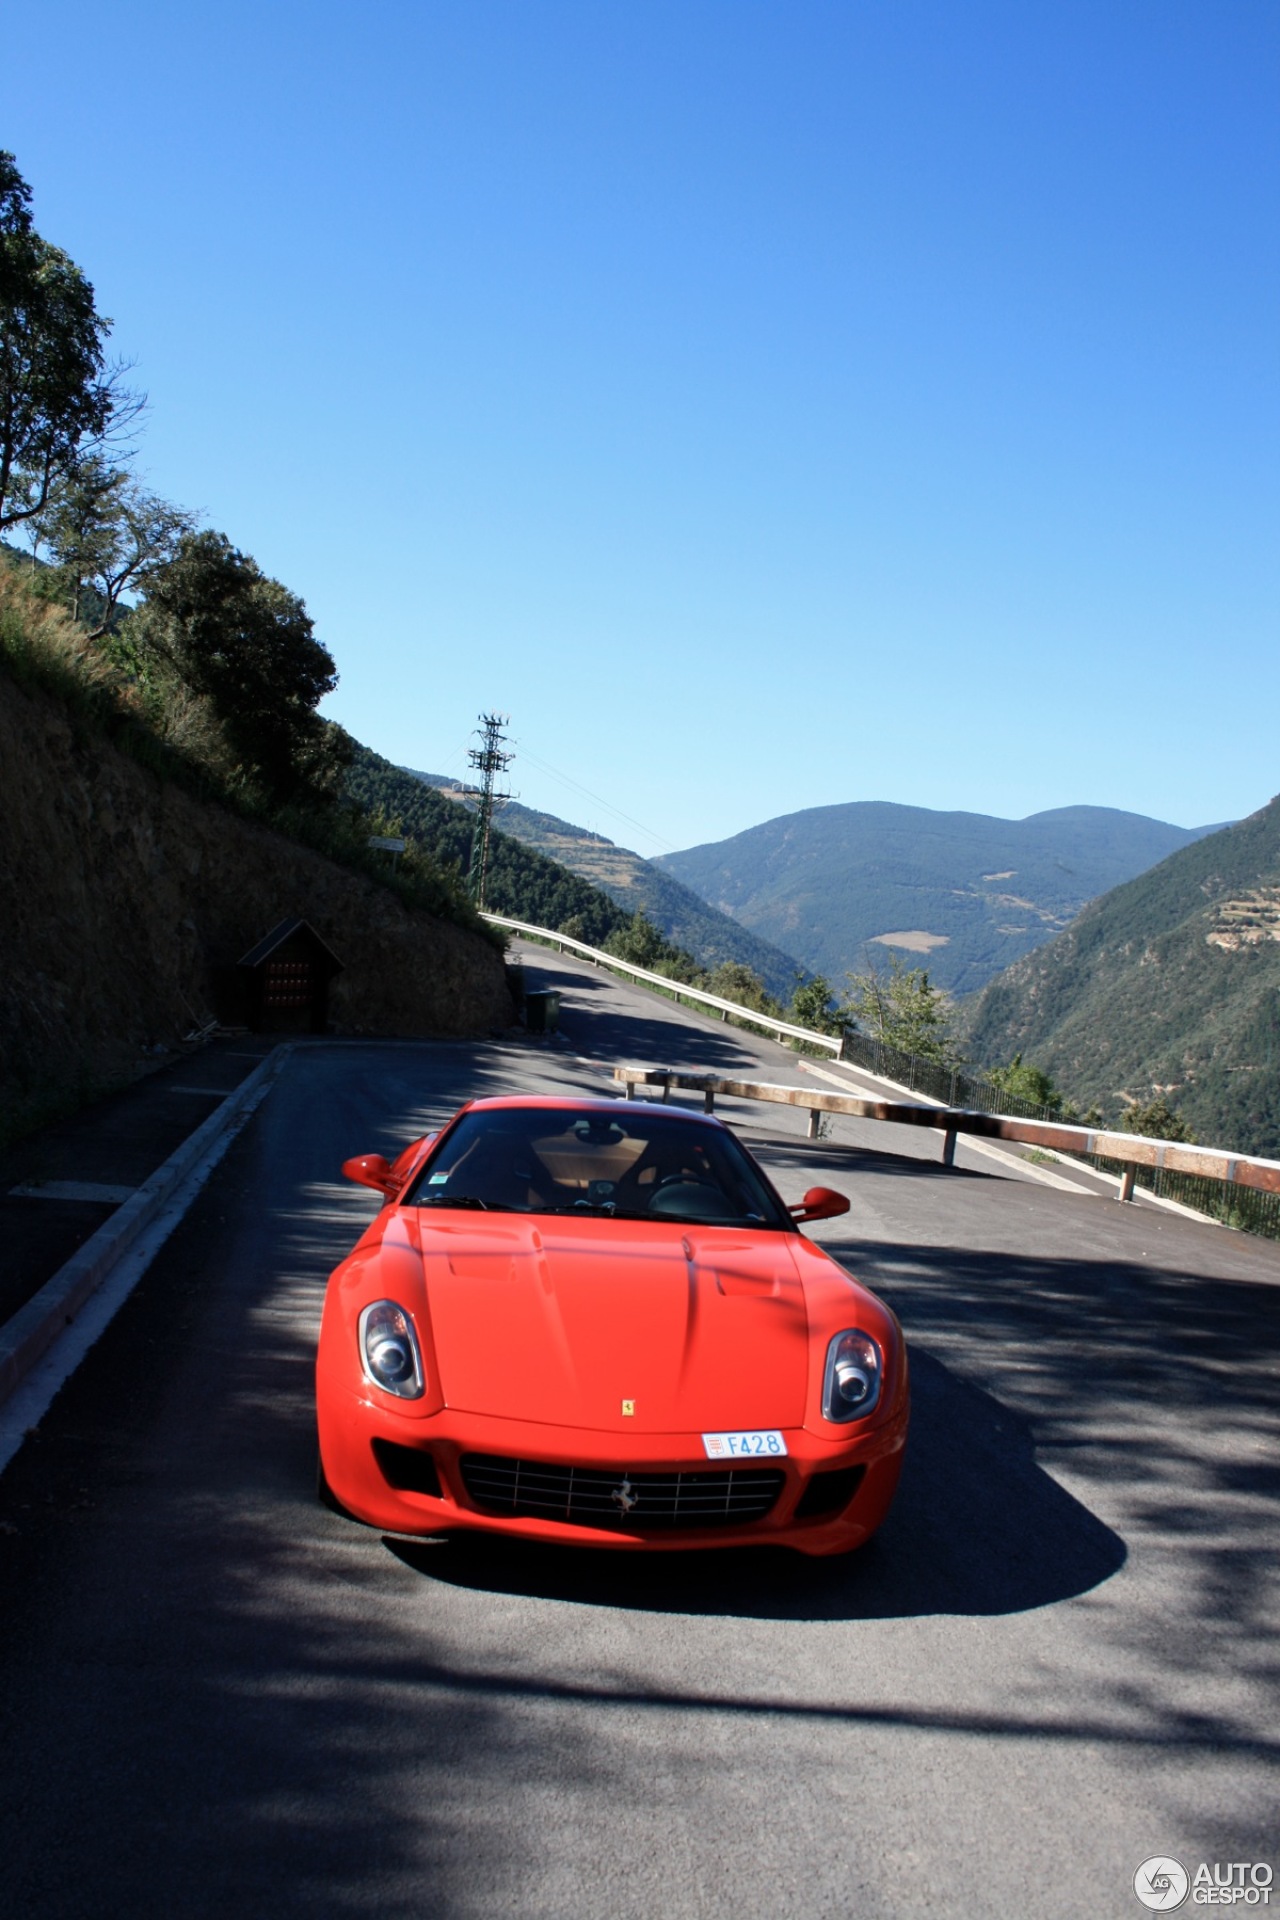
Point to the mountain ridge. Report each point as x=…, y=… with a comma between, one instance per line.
x=1167, y=984
x=965, y=893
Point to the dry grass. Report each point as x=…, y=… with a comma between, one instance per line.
x=42, y=646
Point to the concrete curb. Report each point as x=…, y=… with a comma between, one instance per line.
x=35, y=1327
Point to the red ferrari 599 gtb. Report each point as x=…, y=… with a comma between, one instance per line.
x=595, y=1322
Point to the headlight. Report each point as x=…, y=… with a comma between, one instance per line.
x=389, y=1350
x=851, y=1385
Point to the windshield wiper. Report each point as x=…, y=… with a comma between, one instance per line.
x=462, y=1200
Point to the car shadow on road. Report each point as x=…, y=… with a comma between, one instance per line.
x=977, y=1528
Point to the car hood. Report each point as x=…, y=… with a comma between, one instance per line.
x=700, y=1328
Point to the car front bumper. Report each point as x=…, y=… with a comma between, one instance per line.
x=410, y=1475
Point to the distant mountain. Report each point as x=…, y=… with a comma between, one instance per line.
x=1170, y=983
x=636, y=884
x=961, y=893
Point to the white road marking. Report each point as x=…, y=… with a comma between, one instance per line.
x=31, y=1399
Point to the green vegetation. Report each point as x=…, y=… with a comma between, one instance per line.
x=731, y=980
x=526, y=883
x=641, y=943
x=523, y=884
x=1157, y=1120
x=902, y=1010
x=1023, y=1081
x=167, y=728
x=1168, y=986
x=960, y=893
x=57, y=396
x=811, y=1005
x=212, y=623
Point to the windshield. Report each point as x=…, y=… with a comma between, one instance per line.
x=636, y=1163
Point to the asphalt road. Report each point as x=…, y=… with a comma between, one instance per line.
x=1058, y=1658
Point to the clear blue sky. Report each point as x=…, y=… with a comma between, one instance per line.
x=766, y=405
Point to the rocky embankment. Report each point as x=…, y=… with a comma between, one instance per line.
x=125, y=904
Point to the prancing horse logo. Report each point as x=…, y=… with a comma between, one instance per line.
x=623, y=1498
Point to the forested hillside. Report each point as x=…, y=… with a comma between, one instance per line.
x=1170, y=983
x=963, y=894
x=522, y=882
x=638, y=885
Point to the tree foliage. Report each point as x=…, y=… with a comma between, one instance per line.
x=644, y=945
x=103, y=535
x=811, y=1004
x=1157, y=1119
x=1027, y=1082
x=246, y=644
x=55, y=393
x=901, y=1009
x=638, y=942
x=732, y=980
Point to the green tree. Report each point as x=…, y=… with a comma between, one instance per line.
x=732, y=980
x=104, y=535
x=1027, y=1082
x=811, y=1004
x=901, y=1010
x=1158, y=1120
x=245, y=643
x=55, y=392
x=639, y=942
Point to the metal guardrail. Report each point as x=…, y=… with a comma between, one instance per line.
x=1132, y=1150
x=725, y=1008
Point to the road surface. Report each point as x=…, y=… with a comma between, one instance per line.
x=1057, y=1660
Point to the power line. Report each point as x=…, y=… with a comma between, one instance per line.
x=617, y=812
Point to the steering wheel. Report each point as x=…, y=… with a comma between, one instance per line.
x=686, y=1194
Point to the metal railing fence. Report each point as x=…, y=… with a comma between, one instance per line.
x=1249, y=1209
x=949, y=1085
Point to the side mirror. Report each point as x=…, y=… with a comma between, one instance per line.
x=403, y=1161
x=820, y=1203
x=371, y=1170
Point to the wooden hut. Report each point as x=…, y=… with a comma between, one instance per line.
x=286, y=980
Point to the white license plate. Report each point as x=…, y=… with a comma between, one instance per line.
x=763, y=1444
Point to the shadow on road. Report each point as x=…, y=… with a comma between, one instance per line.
x=217, y=1698
x=977, y=1528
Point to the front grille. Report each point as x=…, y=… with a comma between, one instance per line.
x=590, y=1497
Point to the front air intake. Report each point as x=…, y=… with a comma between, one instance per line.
x=407, y=1469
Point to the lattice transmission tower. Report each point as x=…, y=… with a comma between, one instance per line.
x=489, y=760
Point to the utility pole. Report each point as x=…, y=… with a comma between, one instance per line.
x=489, y=760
